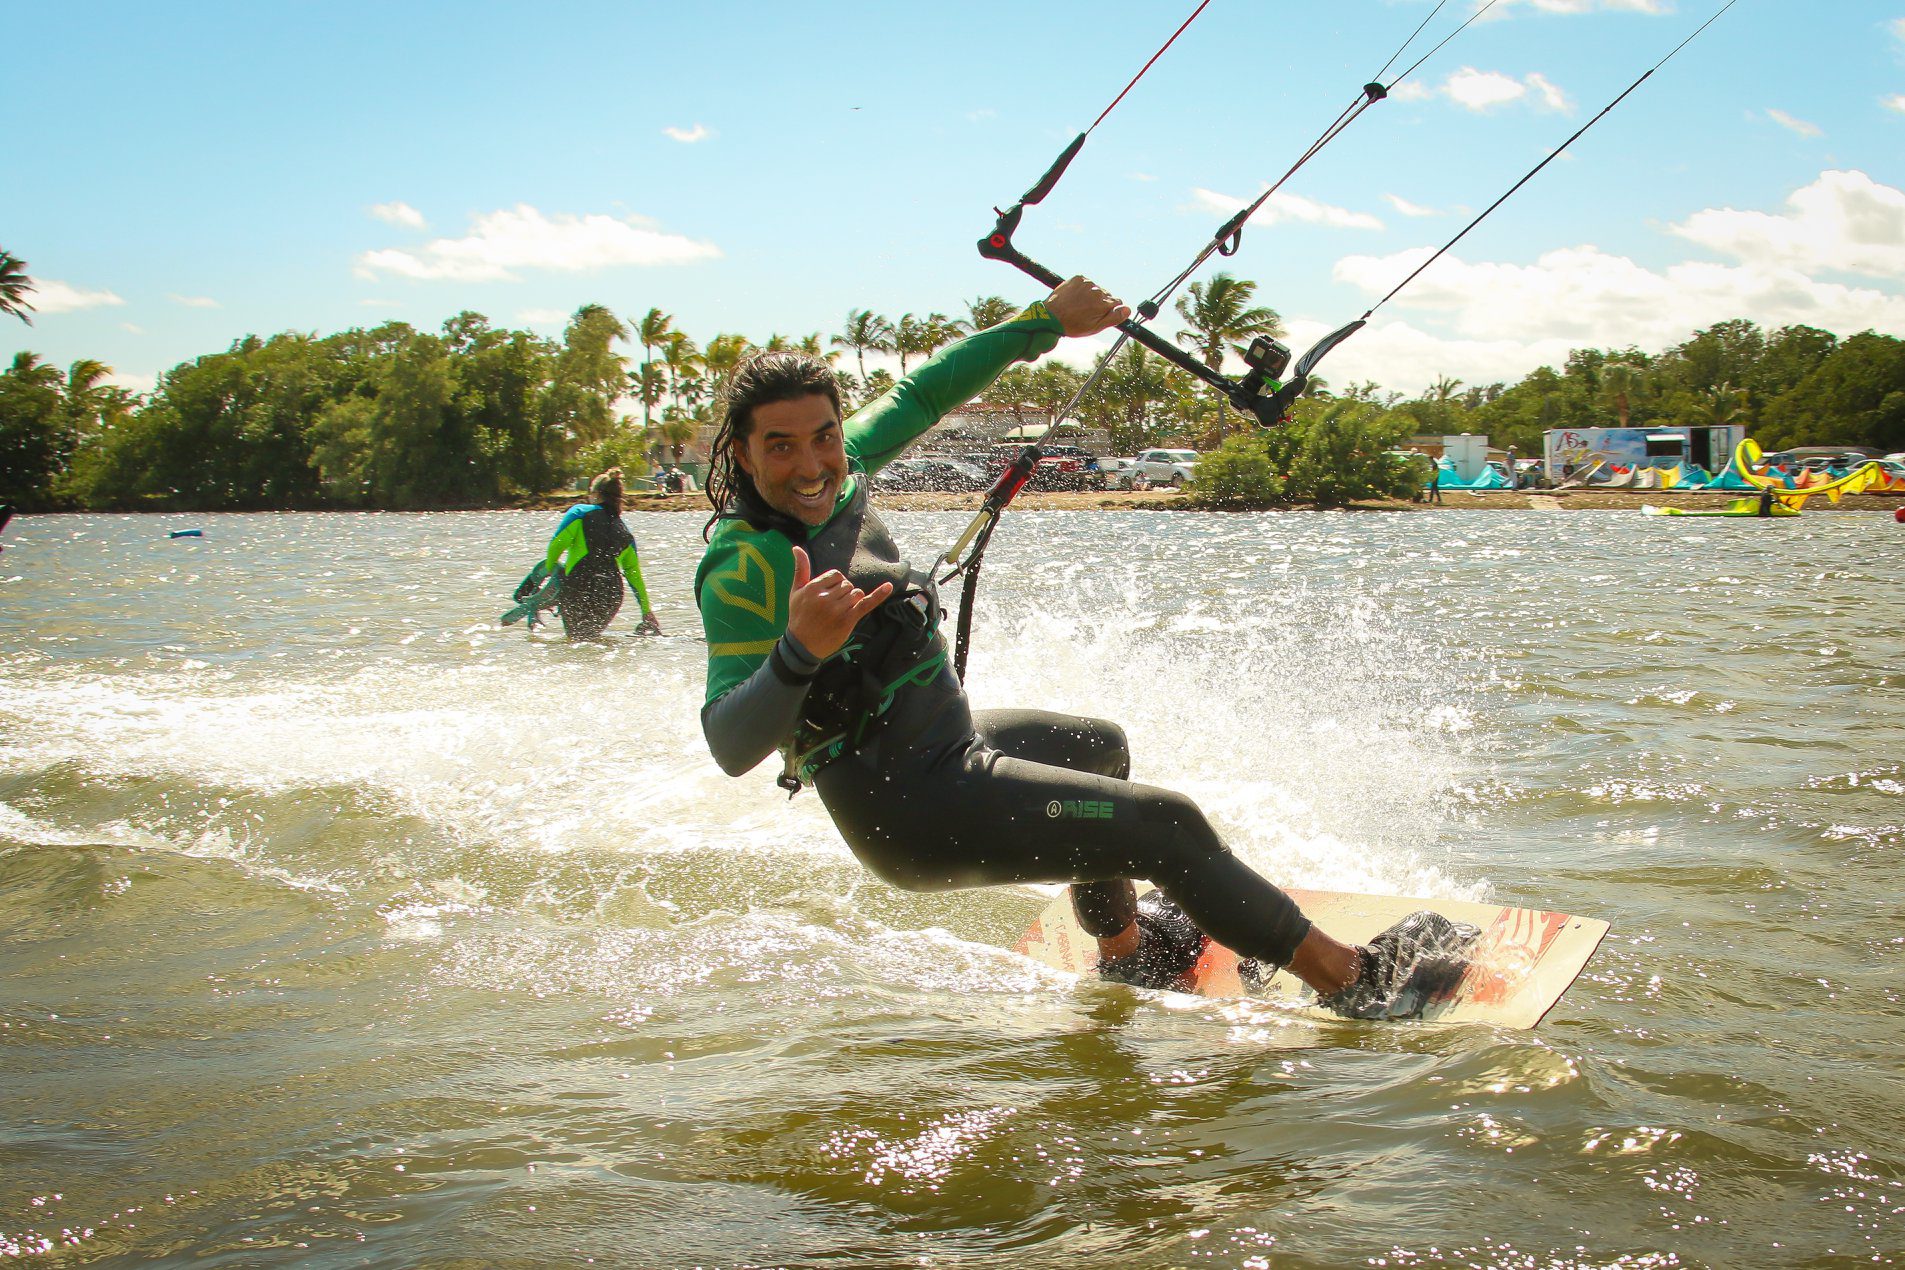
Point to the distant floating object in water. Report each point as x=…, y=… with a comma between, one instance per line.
x=186, y=533
x=1898, y=514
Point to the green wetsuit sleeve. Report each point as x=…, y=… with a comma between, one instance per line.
x=632, y=570
x=758, y=674
x=742, y=589
x=568, y=540
x=878, y=431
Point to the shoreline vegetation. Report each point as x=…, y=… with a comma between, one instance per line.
x=395, y=418
x=1159, y=501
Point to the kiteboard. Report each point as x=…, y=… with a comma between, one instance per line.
x=1525, y=959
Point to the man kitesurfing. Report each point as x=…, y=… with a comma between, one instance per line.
x=825, y=645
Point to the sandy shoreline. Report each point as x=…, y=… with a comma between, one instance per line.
x=1153, y=500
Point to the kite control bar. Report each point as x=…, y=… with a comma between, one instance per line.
x=1266, y=357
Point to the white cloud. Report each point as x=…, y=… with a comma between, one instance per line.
x=1407, y=208
x=49, y=296
x=1284, y=207
x=1482, y=90
x=194, y=301
x=524, y=238
x=1552, y=98
x=1488, y=321
x=132, y=328
x=1505, y=319
x=1895, y=102
x=1477, y=90
x=1797, y=126
x=688, y=136
x=1142, y=176
x=1844, y=221
x=1503, y=8
x=398, y=213
x=1407, y=359
x=543, y=317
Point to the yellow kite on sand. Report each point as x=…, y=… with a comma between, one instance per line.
x=1857, y=481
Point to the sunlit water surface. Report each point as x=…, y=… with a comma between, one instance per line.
x=341, y=926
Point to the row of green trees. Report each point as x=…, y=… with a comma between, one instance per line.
x=472, y=414
x=388, y=417
x=1798, y=385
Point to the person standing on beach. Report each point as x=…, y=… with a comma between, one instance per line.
x=1435, y=480
x=594, y=552
x=824, y=643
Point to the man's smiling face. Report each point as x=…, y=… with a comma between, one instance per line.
x=797, y=457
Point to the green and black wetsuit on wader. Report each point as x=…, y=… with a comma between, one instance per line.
x=594, y=551
x=929, y=795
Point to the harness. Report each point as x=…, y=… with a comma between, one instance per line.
x=894, y=647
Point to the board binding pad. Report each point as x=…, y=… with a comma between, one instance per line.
x=1523, y=962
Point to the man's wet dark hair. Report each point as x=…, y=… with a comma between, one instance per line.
x=760, y=380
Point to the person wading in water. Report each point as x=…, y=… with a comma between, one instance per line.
x=597, y=551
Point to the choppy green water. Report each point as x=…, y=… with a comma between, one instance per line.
x=340, y=927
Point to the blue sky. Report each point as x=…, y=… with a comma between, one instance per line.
x=182, y=175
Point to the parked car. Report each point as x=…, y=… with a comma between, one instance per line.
x=953, y=476
x=1060, y=467
x=1117, y=473
x=1176, y=468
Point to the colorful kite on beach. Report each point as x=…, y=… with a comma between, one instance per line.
x=1749, y=462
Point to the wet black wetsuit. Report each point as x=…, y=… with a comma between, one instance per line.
x=597, y=552
x=929, y=795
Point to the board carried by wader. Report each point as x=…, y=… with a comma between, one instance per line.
x=1518, y=969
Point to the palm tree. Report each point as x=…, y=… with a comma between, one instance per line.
x=14, y=286
x=1618, y=381
x=723, y=354
x=651, y=333
x=866, y=331
x=910, y=335
x=939, y=331
x=648, y=384
x=1220, y=317
x=32, y=369
x=88, y=396
x=988, y=311
x=1723, y=405
x=683, y=360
